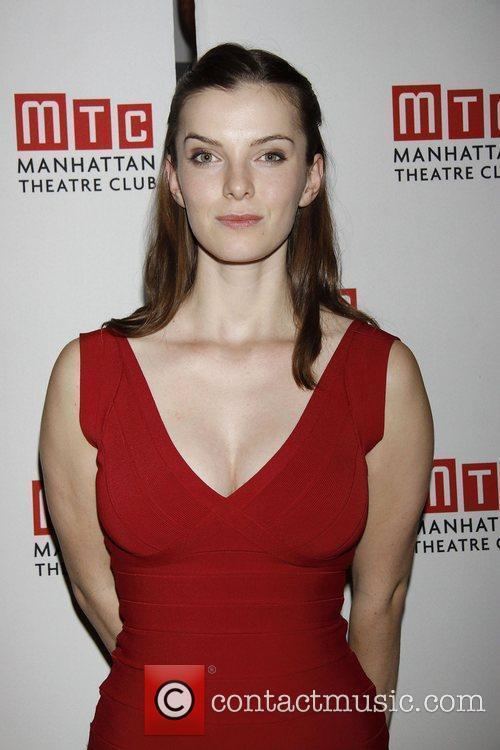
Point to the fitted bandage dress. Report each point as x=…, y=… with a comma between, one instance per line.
x=249, y=586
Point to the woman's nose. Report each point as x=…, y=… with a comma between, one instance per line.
x=238, y=182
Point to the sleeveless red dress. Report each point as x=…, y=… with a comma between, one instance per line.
x=252, y=585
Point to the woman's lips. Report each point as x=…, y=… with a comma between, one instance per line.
x=237, y=222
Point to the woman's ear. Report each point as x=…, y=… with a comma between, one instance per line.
x=170, y=175
x=313, y=182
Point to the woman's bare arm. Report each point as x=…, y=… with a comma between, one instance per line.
x=399, y=470
x=69, y=471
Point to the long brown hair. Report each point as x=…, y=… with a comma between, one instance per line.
x=312, y=256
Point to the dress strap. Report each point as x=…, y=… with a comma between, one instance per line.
x=100, y=374
x=366, y=375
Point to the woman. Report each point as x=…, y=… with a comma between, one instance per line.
x=230, y=497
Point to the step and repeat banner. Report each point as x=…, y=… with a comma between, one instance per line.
x=85, y=98
x=411, y=102
x=410, y=94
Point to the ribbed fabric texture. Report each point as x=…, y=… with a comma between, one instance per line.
x=252, y=584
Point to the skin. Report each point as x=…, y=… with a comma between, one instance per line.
x=221, y=378
x=240, y=291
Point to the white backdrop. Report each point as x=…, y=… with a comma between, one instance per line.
x=71, y=259
x=420, y=254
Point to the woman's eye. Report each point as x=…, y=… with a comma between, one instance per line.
x=194, y=157
x=281, y=157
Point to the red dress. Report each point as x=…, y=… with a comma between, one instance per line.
x=251, y=585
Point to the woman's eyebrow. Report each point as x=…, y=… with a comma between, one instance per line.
x=258, y=142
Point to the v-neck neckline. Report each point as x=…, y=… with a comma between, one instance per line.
x=271, y=468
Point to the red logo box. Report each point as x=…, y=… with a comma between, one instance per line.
x=174, y=699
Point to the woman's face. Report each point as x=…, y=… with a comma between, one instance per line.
x=237, y=175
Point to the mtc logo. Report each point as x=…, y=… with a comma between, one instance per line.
x=479, y=487
x=417, y=113
x=42, y=124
